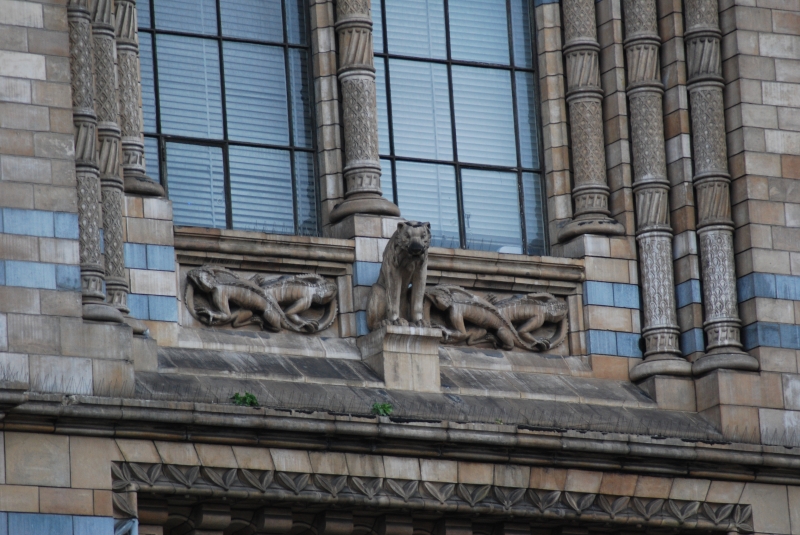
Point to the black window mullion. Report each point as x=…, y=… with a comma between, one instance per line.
x=225, y=156
x=462, y=227
x=514, y=107
x=387, y=81
x=290, y=111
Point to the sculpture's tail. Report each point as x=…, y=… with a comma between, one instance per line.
x=329, y=316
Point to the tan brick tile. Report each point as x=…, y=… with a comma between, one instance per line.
x=66, y=501
x=618, y=484
x=20, y=499
x=548, y=478
x=357, y=464
x=476, y=473
x=435, y=470
x=57, y=69
x=14, y=38
x=583, y=481
x=653, y=487
x=213, y=455
x=60, y=303
x=51, y=43
x=90, y=462
x=37, y=459
x=103, y=504
x=253, y=458
x=13, y=247
x=138, y=451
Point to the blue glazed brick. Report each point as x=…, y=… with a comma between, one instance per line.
x=139, y=305
x=163, y=308
x=602, y=342
x=786, y=287
x=768, y=334
x=745, y=288
x=598, y=293
x=37, y=524
x=92, y=525
x=161, y=257
x=135, y=256
x=68, y=277
x=28, y=222
x=692, y=341
x=3, y=523
x=66, y=225
x=626, y=296
x=361, y=323
x=30, y=274
x=538, y=3
x=688, y=292
x=790, y=338
x=2, y=273
x=764, y=285
x=750, y=336
x=366, y=273
x=628, y=345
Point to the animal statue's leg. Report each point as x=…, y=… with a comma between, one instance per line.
x=506, y=338
x=393, y=295
x=221, y=302
x=376, y=307
x=272, y=319
x=531, y=325
x=241, y=317
x=301, y=305
x=477, y=336
x=418, y=283
x=457, y=321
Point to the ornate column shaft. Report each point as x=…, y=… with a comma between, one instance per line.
x=662, y=354
x=362, y=170
x=585, y=97
x=85, y=121
x=712, y=184
x=108, y=151
x=130, y=118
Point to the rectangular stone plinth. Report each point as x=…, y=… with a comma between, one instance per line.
x=407, y=358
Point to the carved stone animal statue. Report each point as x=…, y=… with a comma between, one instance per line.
x=405, y=262
x=296, y=294
x=463, y=307
x=529, y=312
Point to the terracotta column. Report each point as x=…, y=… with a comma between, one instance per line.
x=651, y=190
x=130, y=118
x=584, y=97
x=87, y=174
x=712, y=184
x=362, y=169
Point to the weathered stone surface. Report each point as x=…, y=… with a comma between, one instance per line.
x=36, y=459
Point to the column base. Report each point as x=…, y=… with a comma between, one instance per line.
x=102, y=312
x=668, y=366
x=137, y=325
x=371, y=204
x=725, y=359
x=600, y=225
x=143, y=185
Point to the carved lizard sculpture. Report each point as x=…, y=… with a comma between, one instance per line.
x=463, y=306
x=300, y=293
x=529, y=312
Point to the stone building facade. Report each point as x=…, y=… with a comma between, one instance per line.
x=643, y=376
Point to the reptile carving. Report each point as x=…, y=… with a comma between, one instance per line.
x=472, y=319
x=217, y=296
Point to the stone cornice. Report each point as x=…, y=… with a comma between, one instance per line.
x=419, y=495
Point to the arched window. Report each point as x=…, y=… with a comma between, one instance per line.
x=458, y=130
x=227, y=112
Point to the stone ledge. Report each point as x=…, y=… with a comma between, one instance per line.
x=406, y=358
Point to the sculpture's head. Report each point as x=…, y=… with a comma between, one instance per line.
x=439, y=296
x=324, y=292
x=414, y=237
x=203, y=278
x=556, y=310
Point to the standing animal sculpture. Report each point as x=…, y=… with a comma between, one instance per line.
x=405, y=263
x=495, y=321
x=217, y=296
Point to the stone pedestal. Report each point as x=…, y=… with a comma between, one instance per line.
x=407, y=358
x=671, y=393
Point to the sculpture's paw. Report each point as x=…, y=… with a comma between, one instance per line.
x=422, y=323
x=401, y=321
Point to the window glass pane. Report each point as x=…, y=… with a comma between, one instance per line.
x=427, y=192
x=479, y=31
x=255, y=93
x=252, y=19
x=491, y=211
x=306, y=201
x=195, y=16
x=416, y=28
x=386, y=180
x=526, y=113
x=383, y=115
x=151, y=158
x=196, y=185
x=377, y=26
x=143, y=13
x=189, y=87
x=148, y=83
x=484, y=116
x=261, y=190
x=534, y=218
x=301, y=98
x=296, y=23
x=420, y=110
x=521, y=28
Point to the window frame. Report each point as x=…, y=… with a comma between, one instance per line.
x=224, y=144
x=385, y=57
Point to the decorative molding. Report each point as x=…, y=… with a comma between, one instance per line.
x=712, y=183
x=407, y=495
x=584, y=97
x=651, y=191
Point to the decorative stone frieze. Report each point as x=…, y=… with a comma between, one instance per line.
x=712, y=184
x=130, y=117
x=362, y=170
x=651, y=191
x=584, y=97
x=421, y=495
x=88, y=183
x=108, y=152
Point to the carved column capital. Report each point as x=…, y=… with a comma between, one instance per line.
x=584, y=97
x=362, y=169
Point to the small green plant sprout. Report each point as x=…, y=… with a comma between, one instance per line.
x=498, y=421
x=246, y=400
x=382, y=409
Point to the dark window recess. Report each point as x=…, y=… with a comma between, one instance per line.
x=226, y=93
